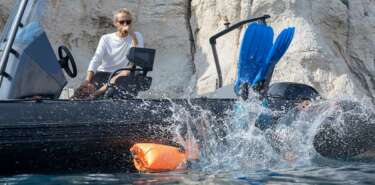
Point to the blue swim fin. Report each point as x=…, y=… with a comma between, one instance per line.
x=255, y=46
x=281, y=45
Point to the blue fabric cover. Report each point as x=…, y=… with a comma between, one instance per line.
x=29, y=33
x=255, y=46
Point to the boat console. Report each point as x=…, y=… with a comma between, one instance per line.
x=32, y=68
x=129, y=86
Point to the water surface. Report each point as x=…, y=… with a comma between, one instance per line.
x=339, y=174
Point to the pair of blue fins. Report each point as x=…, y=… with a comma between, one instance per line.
x=259, y=56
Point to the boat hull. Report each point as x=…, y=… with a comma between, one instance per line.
x=89, y=136
x=95, y=136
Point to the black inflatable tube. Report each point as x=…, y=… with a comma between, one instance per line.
x=86, y=136
x=95, y=136
x=347, y=133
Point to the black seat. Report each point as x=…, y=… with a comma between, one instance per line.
x=129, y=86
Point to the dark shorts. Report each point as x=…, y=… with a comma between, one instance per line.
x=100, y=78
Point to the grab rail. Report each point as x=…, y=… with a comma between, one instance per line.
x=12, y=36
x=221, y=33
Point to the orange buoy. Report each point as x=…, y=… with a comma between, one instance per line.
x=150, y=157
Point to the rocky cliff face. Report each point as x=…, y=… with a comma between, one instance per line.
x=333, y=49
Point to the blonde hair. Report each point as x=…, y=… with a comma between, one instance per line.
x=122, y=10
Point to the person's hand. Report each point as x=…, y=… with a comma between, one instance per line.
x=133, y=36
x=192, y=149
x=123, y=29
x=87, y=86
x=84, y=91
x=86, y=83
x=126, y=29
x=129, y=30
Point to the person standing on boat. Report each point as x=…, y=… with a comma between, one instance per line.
x=111, y=52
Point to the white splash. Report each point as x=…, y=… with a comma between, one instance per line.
x=236, y=144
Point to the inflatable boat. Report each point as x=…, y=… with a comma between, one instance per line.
x=40, y=133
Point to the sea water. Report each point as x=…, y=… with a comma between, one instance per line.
x=237, y=152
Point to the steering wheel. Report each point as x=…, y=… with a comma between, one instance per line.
x=65, y=57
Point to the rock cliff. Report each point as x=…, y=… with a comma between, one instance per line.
x=333, y=49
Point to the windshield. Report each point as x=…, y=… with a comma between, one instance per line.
x=30, y=19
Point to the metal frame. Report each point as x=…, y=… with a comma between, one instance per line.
x=12, y=36
x=222, y=33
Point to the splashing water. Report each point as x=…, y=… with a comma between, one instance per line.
x=235, y=143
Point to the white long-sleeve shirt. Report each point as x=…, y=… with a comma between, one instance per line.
x=111, y=52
